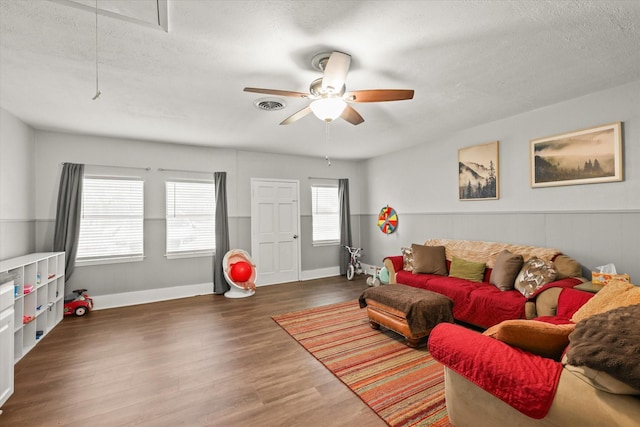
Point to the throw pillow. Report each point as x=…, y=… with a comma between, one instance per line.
x=469, y=270
x=598, y=379
x=407, y=259
x=609, y=342
x=541, y=338
x=535, y=273
x=614, y=295
x=505, y=270
x=429, y=259
x=567, y=267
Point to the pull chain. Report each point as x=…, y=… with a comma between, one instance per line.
x=326, y=140
x=98, y=93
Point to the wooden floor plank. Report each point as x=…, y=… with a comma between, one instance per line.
x=201, y=361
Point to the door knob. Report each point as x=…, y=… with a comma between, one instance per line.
x=295, y=236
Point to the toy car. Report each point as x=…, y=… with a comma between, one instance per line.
x=78, y=303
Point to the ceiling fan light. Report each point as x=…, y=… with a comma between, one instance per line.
x=328, y=109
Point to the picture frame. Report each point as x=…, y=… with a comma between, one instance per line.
x=586, y=156
x=478, y=172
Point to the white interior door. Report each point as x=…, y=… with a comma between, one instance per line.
x=275, y=247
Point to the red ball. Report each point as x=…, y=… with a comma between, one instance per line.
x=240, y=271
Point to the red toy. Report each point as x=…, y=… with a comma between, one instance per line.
x=79, y=304
x=241, y=271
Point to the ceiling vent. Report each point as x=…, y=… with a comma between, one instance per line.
x=269, y=104
x=150, y=13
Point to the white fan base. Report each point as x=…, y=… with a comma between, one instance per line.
x=236, y=292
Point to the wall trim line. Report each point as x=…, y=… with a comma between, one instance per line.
x=567, y=212
x=124, y=299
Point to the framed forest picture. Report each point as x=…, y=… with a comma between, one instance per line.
x=478, y=176
x=585, y=156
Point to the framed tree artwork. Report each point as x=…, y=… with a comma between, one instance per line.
x=478, y=176
x=586, y=156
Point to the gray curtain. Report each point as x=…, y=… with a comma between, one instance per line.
x=345, y=222
x=220, y=285
x=68, y=211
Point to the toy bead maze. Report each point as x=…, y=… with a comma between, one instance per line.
x=387, y=220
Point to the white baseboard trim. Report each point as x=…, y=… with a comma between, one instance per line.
x=102, y=302
x=124, y=299
x=320, y=273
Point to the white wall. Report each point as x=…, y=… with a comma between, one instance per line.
x=259, y=165
x=155, y=272
x=17, y=187
x=595, y=223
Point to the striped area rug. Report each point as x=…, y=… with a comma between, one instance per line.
x=404, y=386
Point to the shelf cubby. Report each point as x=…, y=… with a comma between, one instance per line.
x=17, y=343
x=44, y=273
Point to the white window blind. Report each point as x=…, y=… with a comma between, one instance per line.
x=325, y=214
x=191, y=208
x=112, y=222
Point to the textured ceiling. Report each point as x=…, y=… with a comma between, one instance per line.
x=470, y=62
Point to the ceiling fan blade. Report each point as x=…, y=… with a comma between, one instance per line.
x=295, y=116
x=335, y=71
x=277, y=92
x=379, y=95
x=351, y=115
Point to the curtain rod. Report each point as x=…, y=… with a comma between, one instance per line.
x=184, y=170
x=110, y=166
x=317, y=177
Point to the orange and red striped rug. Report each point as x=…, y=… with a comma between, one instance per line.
x=404, y=386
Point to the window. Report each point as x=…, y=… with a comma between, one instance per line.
x=191, y=208
x=112, y=222
x=325, y=211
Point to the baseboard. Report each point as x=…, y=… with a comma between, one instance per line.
x=102, y=302
x=124, y=299
x=320, y=273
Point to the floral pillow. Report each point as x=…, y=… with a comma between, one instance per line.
x=407, y=259
x=535, y=273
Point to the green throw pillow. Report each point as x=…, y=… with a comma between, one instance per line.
x=469, y=270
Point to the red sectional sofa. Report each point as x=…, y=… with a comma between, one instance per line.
x=481, y=303
x=547, y=375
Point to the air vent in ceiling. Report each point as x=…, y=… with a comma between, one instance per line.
x=269, y=104
x=150, y=13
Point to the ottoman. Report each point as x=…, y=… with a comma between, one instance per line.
x=408, y=311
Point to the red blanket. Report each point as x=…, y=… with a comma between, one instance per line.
x=525, y=381
x=477, y=303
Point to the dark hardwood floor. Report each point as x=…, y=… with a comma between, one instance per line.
x=201, y=361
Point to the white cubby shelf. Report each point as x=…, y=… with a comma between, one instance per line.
x=37, y=312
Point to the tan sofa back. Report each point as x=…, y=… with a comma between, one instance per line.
x=487, y=252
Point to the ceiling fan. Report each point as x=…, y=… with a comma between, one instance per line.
x=330, y=99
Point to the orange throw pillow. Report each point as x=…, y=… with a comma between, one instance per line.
x=614, y=295
x=541, y=338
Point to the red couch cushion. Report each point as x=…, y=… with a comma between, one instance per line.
x=525, y=381
x=477, y=303
x=570, y=300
